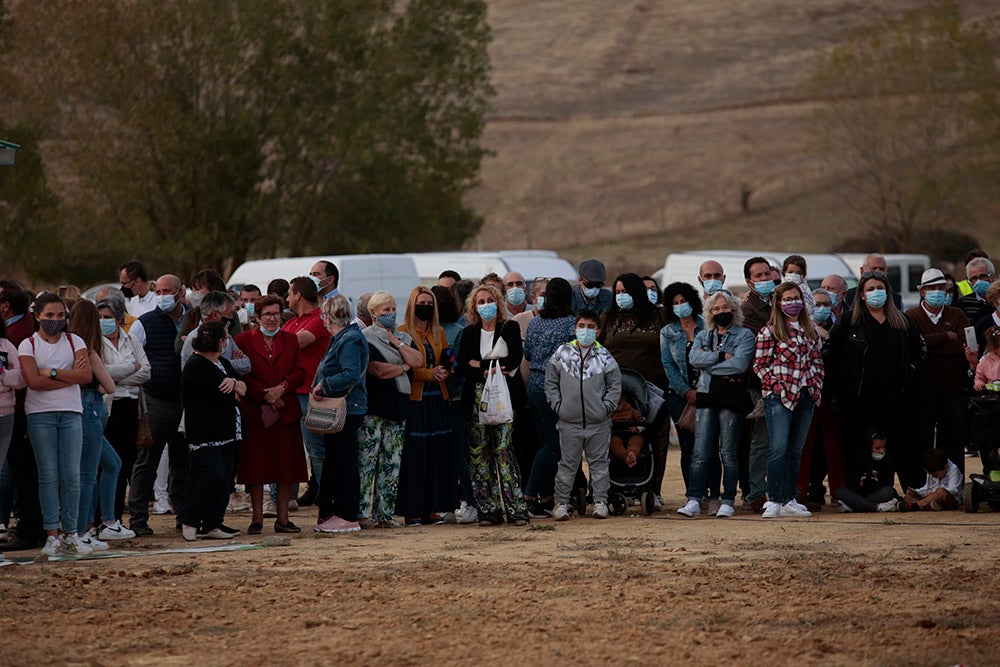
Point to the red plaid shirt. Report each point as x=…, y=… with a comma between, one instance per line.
x=785, y=369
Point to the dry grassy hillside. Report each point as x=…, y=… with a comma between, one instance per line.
x=626, y=130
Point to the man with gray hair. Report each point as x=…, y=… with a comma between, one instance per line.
x=980, y=273
x=874, y=263
x=216, y=306
x=363, y=319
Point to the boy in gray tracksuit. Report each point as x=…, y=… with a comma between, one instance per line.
x=583, y=384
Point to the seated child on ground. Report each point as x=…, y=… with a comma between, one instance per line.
x=988, y=368
x=943, y=488
x=626, y=414
x=869, y=487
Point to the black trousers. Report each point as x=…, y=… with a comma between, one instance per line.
x=340, y=484
x=21, y=459
x=209, y=481
x=121, y=431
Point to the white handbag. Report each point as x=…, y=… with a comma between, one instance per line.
x=495, y=407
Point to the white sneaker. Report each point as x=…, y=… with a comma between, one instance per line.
x=449, y=517
x=561, y=512
x=889, y=505
x=600, y=510
x=844, y=508
x=115, y=531
x=725, y=511
x=791, y=508
x=53, y=546
x=771, y=510
x=238, y=502
x=270, y=510
x=90, y=539
x=215, y=534
x=691, y=508
x=73, y=545
x=466, y=514
x=161, y=507
x=795, y=502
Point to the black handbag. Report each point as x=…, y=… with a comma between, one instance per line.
x=726, y=392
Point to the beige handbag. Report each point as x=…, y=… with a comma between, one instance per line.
x=326, y=415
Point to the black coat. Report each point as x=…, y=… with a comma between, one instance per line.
x=209, y=415
x=469, y=350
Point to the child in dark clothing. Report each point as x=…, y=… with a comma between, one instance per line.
x=872, y=489
x=623, y=420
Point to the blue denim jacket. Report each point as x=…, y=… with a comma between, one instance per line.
x=673, y=354
x=738, y=341
x=343, y=368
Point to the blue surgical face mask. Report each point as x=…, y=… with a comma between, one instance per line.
x=652, y=295
x=876, y=298
x=822, y=313
x=948, y=298
x=591, y=292
x=764, y=287
x=515, y=296
x=388, y=320
x=624, y=300
x=833, y=299
x=166, y=302
x=270, y=334
x=683, y=310
x=711, y=286
x=586, y=337
x=935, y=298
x=249, y=308
x=487, y=311
x=980, y=287
x=315, y=282
x=539, y=302
x=108, y=326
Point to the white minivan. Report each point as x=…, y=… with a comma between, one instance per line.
x=475, y=265
x=904, y=272
x=683, y=267
x=358, y=274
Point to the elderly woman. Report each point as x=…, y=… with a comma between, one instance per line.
x=210, y=391
x=873, y=350
x=553, y=327
x=391, y=359
x=427, y=479
x=340, y=373
x=272, y=449
x=496, y=477
x=128, y=366
x=790, y=368
x=722, y=351
x=684, y=322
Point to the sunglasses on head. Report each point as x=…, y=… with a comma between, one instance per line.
x=590, y=284
x=872, y=274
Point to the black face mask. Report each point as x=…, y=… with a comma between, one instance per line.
x=722, y=320
x=127, y=292
x=423, y=311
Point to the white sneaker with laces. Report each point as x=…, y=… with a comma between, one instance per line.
x=844, y=508
x=798, y=505
x=161, y=507
x=90, y=539
x=791, y=508
x=600, y=510
x=771, y=510
x=691, y=508
x=889, y=505
x=53, y=546
x=115, y=531
x=725, y=511
x=466, y=514
x=561, y=512
x=73, y=545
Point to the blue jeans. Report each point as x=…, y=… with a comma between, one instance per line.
x=542, y=477
x=95, y=416
x=675, y=406
x=711, y=425
x=314, y=442
x=786, y=431
x=57, y=439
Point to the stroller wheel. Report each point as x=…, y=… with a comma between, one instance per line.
x=618, y=504
x=580, y=499
x=647, y=501
x=970, y=499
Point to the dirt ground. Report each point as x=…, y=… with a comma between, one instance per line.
x=836, y=589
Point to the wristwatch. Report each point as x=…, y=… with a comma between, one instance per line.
x=53, y=373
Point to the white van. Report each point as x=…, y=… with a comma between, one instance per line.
x=683, y=267
x=475, y=265
x=358, y=274
x=904, y=272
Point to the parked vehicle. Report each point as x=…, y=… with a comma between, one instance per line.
x=683, y=267
x=475, y=265
x=904, y=273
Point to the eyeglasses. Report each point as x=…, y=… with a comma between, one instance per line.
x=792, y=300
x=872, y=274
x=269, y=315
x=982, y=276
x=592, y=284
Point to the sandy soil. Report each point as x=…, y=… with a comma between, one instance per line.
x=835, y=590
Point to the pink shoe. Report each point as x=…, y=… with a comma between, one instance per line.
x=337, y=525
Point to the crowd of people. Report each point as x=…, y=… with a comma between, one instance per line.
x=479, y=401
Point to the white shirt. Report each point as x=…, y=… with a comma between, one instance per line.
x=52, y=355
x=121, y=361
x=140, y=305
x=935, y=317
x=952, y=482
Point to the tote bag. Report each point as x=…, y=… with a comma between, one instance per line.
x=326, y=415
x=495, y=408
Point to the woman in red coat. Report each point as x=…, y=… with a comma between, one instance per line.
x=272, y=450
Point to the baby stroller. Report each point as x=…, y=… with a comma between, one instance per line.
x=632, y=483
x=984, y=421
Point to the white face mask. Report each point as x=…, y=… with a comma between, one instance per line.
x=794, y=278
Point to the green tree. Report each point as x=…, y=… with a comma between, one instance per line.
x=902, y=113
x=206, y=132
